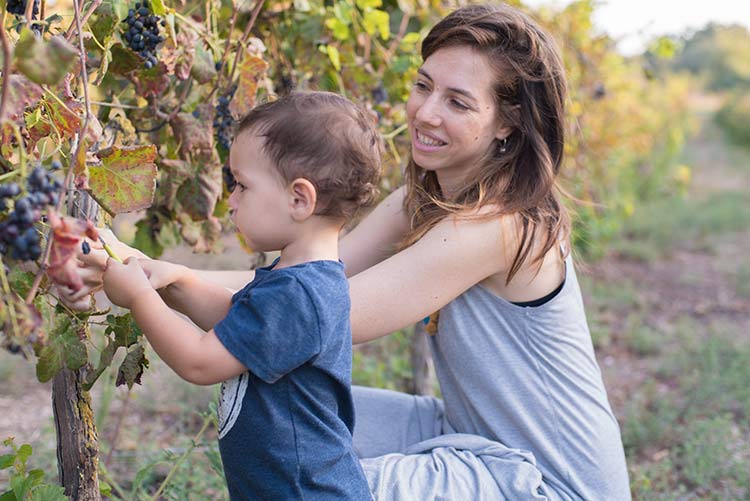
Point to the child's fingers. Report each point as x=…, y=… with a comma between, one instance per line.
x=96, y=259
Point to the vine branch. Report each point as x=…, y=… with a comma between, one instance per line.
x=245, y=37
x=80, y=22
x=79, y=144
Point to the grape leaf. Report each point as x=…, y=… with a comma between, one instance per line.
x=64, y=349
x=124, y=328
x=105, y=23
x=44, y=62
x=251, y=71
x=203, y=69
x=198, y=194
x=123, y=60
x=126, y=180
x=132, y=367
x=22, y=93
x=152, y=81
x=204, y=236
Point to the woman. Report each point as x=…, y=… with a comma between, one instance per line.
x=484, y=240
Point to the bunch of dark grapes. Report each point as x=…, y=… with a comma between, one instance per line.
x=223, y=120
x=18, y=7
x=18, y=237
x=142, y=35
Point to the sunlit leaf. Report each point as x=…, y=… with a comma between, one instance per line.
x=333, y=55
x=377, y=21
x=158, y=7
x=369, y=4
x=44, y=62
x=339, y=28
x=126, y=180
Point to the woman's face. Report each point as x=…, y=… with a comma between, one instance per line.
x=452, y=115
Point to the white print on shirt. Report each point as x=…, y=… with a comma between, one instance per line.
x=230, y=402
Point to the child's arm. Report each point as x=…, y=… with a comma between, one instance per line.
x=183, y=290
x=196, y=356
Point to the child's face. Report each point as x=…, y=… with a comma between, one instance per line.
x=452, y=114
x=260, y=202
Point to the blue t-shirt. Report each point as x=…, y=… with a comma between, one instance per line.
x=285, y=426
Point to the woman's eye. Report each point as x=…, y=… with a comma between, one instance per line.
x=459, y=104
x=240, y=186
x=420, y=85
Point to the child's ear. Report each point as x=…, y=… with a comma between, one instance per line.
x=303, y=198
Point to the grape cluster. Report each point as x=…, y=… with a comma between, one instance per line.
x=18, y=237
x=223, y=120
x=18, y=7
x=142, y=35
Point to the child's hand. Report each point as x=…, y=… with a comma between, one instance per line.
x=162, y=273
x=125, y=282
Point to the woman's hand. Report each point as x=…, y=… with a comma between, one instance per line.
x=91, y=268
x=125, y=282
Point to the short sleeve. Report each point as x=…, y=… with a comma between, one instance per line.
x=272, y=328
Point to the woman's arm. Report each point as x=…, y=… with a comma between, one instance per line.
x=376, y=236
x=450, y=258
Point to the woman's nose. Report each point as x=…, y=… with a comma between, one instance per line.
x=428, y=111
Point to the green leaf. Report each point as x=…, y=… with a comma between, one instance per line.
x=64, y=349
x=35, y=476
x=333, y=55
x=126, y=180
x=124, y=328
x=410, y=40
x=24, y=453
x=105, y=23
x=377, y=21
x=49, y=492
x=7, y=460
x=44, y=62
x=8, y=496
x=132, y=367
x=21, y=486
x=339, y=28
x=158, y=7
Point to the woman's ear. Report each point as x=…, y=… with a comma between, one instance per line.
x=302, y=199
x=512, y=115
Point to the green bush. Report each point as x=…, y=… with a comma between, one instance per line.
x=734, y=118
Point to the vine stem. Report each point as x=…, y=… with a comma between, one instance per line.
x=79, y=22
x=206, y=421
x=79, y=144
x=245, y=37
x=6, y=68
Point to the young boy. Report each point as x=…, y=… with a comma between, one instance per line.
x=282, y=345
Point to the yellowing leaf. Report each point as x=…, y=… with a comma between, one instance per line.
x=339, y=29
x=251, y=70
x=377, y=21
x=44, y=62
x=126, y=180
x=333, y=55
x=369, y=4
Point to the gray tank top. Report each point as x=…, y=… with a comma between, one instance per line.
x=528, y=378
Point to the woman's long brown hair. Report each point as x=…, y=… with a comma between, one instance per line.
x=518, y=176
